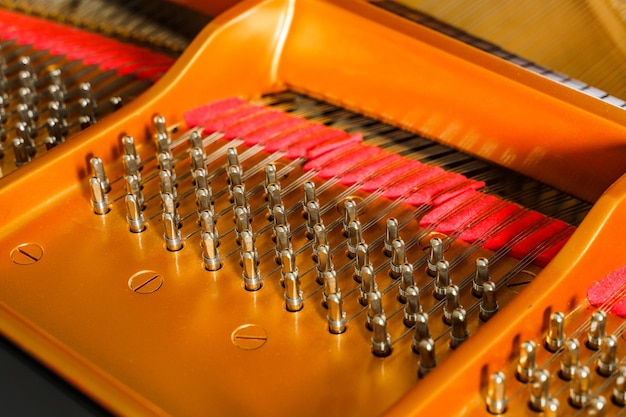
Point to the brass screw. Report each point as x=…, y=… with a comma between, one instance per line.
x=249, y=337
x=26, y=254
x=145, y=282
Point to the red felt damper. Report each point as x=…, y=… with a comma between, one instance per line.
x=300, y=147
x=539, y=238
x=610, y=291
x=197, y=117
x=451, y=208
x=320, y=162
x=393, y=173
x=77, y=44
x=249, y=124
x=509, y=234
x=330, y=145
x=465, y=216
x=448, y=187
x=223, y=121
x=412, y=181
x=341, y=165
x=485, y=228
x=368, y=170
x=276, y=128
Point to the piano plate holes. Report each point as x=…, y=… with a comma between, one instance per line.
x=249, y=337
x=26, y=254
x=145, y=282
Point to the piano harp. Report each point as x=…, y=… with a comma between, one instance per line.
x=155, y=323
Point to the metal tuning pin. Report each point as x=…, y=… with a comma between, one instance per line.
x=391, y=233
x=26, y=127
x=293, y=295
x=171, y=234
x=87, y=94
x=330, y=286
x=56, y=79
x=201, y=179
x=496, y=393
x=24, y=132
x=556, y=333
x=552, y=408
x=283, y=241
x=309, y=196
x=87, y=113
x=319, y=238
x=428, y=359
x=368, y=284
x=540, y=389
x=163, y=143
x=56, y=110
x=398, y=258
x=488, y=303
x=451, y=303
x=481, y=276
x=362, y=258
x=240, y=199
x=407, y=279
x=271, y=176
x=288, y=264
x=580, y=387
x=442, y=280
x=29, y=98
x=336, y=316
x=242, y=221
x=381, y=341
x=313, y=217
x=117, y=102
x=435, y=256
x=134, y=215
x=597, y=407
x=166, y=163
x=349, y=213
x=249, y=260
x=527, y=362
x=207, y=224
x=210, y=253
x=99, y=200
x=26, y=65
x=374, y=308
x=56, y=93
x=273, y=198
x=355, y=236
x=570, y=360
x=607, y=361
x=196, y=156
x=458, y=331
x=133, y=187
x=130, y=166
x=160, y=126
x=324, y=263
x=412, y=306
x=128, y=143
x=232, y=159
x=195, y=141
x=619, y=388
x=597, y=330
x=234, y=177
x=20, y=151
x=55, y=135
x=422, y=331
x=169, y=206
x=167, y=184
x=97, y=170
x=204, y=200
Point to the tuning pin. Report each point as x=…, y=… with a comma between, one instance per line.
x=355, y=236
x=56, y=93
x=250, y=259
x=412, y=306
x=313, y=217
x=597, y=407
x=160, y=125
x=361, y=259
x=55, y=131
x=57, y=110
x=398, y=258
x=374, y=308
x=173, y=241
x=452, y=303
x=97, y=170
x=580, y=387
x=167, y=184
x=240, y=199
x=619, y=389
x=134, y=215
x=273, y=198
x=597, y=330
x=232, y=159
x=169, y=206
x=128, y=143
x=166, y=163
x=442, y=280
x=195, y=141
x=570, y=360
x=422, y=330
x=309, y=196
x=26, y=65
x=99, y=200
x=496, y=393
x=235, y=177
x=319, y=238
x=556, y=334
x=27, y=81
x=87, y=113
x=130, y=166
x=349, y=213
x=133, y=187
x=56, y=79
x=381, y=341
x=26, y=127
x=210, y=253
x=200, y=179
x=29, y=98
x=282, y=240
x=324, y=262
x=242, y=221
x=391, y=234
x=368, y=283
x=481, y=276
x=207, y=224
x=280, y=217
x=540, y=389
x=407, y=279
x=336, y=316
x=436, y=256
x=458, y=332
x=427, y=359
x=271, y=176
x=20, y=152
x=204, y=200
x=607, y=361
x=293, y=295
x=527, y=362
x=163, y=143
x=288, y=264
x=330, y=286
x=488, y=303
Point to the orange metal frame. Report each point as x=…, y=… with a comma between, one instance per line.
x=353, y=54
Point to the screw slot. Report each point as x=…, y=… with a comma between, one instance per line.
x=249, y=337
x=145, y=282
x=26, y=254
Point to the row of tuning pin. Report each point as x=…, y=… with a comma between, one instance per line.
x=578, y=376
x=357, y=250
x=21, y=93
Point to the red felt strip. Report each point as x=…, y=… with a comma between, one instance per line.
x=318, y=163
x=341, y=165
x=301, y=147
x=363, y=172
x=332, y=144
x=483, y=229
x=444, y=210
x=77, y=44
x=221, y=122
x=391, y=175
x=284, y=141
x=261, y=135
x=611, y=289
x=250, y=124
x=196, y=117
x=463, y=217
x=537, y=237
x=409, y=183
